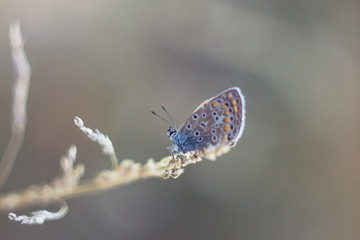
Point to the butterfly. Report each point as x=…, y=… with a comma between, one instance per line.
x=212, y=129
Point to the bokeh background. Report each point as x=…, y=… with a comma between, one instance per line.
x=293, y=175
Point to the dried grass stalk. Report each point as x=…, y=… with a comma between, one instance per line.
x=68, y=184
x=20, y=95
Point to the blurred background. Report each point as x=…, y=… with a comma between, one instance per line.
x=293, y=175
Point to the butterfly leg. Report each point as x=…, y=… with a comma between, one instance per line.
x=173, y=150
x=194, y=155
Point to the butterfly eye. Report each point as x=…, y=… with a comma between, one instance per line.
x=229, y=136
x=195, y=116
x=216, y=118
x=171, y=132
x=214, y=138
x=197, y=133
x=204, y=115
x=188, y=126
x=216, y=125
x=219, y=100
x=232, y=126
x=200, y=139
x=230, y=110
x=214, y=113
x=232, y=117
x=213, y=131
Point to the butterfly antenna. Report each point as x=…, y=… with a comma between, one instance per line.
x=160, y=117
x=173, y=123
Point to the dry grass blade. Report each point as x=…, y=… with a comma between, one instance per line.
x=20, y=94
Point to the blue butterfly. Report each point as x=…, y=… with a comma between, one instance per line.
x=212, y=129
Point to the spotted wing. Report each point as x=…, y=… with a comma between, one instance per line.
x=216, y=125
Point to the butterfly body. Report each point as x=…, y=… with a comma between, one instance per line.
x=213, y=128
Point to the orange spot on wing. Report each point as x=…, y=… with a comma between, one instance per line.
x=226, y=113
x=233, y=102
x=226, y=128
x=227, y=120
x=236, y=108
x=230, y=95
x=223, y=106
x=224, y=137
x=214, y=104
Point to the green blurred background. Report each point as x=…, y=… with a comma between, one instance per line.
x=293, y=175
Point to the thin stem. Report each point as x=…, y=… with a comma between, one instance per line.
x=127, y=171
x=20, y=94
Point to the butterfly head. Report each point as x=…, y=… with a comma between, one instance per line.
x=171, y=132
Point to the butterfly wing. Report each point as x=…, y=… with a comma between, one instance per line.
x=216, y=125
